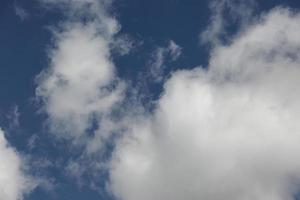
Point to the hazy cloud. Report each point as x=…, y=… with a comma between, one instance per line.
x=21, y=12
x=13, y=117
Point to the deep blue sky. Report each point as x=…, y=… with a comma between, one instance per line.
x=23, y=55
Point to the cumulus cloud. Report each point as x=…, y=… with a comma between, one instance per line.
x=80, y=88
x=227, y=132
x=14, y=184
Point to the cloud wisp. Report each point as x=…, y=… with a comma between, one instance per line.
x=21, y=12
x=161, y=55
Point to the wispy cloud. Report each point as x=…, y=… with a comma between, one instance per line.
x=13, y=117
x=21, y=12
x=162, y=57
x=226, y=13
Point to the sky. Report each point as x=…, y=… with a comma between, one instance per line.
x=149, y=100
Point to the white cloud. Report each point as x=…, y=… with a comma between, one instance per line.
x=80, y=81
x=80, y=88
x=14, y=184
x=228, y=132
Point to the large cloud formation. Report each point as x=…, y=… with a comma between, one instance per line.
x=14, y=184
x=230, y=131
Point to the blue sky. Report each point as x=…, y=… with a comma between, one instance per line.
x=161, y=99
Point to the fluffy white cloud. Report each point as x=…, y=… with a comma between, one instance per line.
x=13, y=182
x=80, y=88
x=80, y=81
x=227, y=132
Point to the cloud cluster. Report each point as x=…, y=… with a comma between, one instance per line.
x=14, y=184
x=227, y=132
